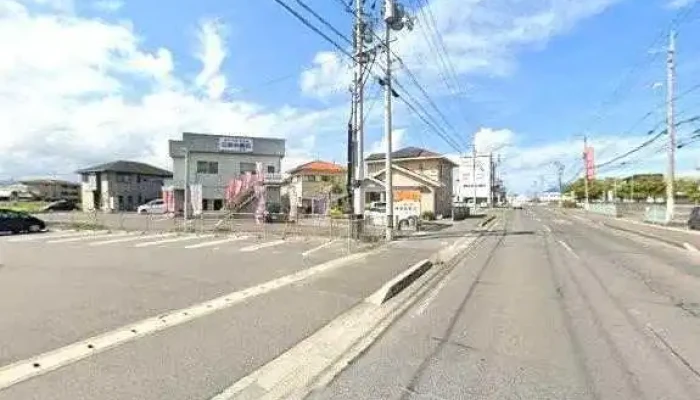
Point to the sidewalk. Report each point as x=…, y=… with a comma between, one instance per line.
x=678, y=237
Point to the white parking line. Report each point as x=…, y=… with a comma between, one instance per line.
x=95, y=236
x=547, y=228
x=134, y=238
x=52, y=360
x=173, y=240
x=690, y=247
x=46, y=236
x=256, y=247
x=568, y=248
x=315, y=249
x=215, y=242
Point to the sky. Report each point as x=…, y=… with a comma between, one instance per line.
x=89, y=81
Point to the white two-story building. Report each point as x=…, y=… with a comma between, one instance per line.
x=210, y=162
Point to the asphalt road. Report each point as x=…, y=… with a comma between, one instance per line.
x=553, y=307
x=59, y=289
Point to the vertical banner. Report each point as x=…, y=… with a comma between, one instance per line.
x=590, y=163
x=196, y=199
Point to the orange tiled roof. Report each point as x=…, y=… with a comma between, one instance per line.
x=318, y=166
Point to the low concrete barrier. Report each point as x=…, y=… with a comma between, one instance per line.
x=604, y=209
x=400, y=282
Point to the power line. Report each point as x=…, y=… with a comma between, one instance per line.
x=324, y=21
x=313, y=28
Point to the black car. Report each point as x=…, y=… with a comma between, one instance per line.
x=16, y=222
x=274, y=213
x=60, y=205
x=694, y=219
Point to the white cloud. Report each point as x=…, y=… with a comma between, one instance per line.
x=211, y=52
x=397, y=139
x=108, y=6
x=329, y=76
x=77, y=91
x=490, y=140
x=676, y=4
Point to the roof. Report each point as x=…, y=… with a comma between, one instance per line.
x=319, y=166
x=48, y=182
x=129, y=167
x=407, y=152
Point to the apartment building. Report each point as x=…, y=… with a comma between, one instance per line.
x=418, y=175
x=209, y=163
x=120, y=185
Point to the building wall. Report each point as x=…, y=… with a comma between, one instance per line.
x=214, y=185
x=120, y=192
x=55, y=190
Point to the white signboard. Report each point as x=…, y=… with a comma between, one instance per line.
x=475, y=174
x=236, y=145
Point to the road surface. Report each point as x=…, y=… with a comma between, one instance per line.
x=59, y=292
x=554, y=307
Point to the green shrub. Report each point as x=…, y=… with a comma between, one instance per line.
x=428, y=216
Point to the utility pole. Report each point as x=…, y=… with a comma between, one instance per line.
x=632, y=189
x=358, y=192
x=560, y=171
x=585, y=169
x=671, y=128
x=387, y=132
x=395, y=19
x=474, y=176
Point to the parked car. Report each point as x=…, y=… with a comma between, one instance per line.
x=694, y=219
x=156, y=206
x=274, y=213
x=60, y=205
x=16, y=222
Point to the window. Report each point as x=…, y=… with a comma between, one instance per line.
x=207, y=167
x=123, y=178
x=86, y=178
x=270, y=169
x=205, y=204
x=248, y=167
x=218, y=204
x=310, y=178
x=325, y=178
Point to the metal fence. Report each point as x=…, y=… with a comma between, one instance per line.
x=275, y=225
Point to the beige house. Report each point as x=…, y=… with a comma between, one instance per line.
x=121, y=185
x=418, y=175
x=313, y=183
x=41, y=189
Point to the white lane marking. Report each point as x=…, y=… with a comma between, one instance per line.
x=161, y=219
x=547, y=228
x=95, y=236
x=256, y=247
x=424, y=305
x=315, y=249
x=46, y=236
x=579, y=218
x=216, y=242
x=690, y=247
x=173, y=240
x=133, y=239
x=569, y=249
x=49, y=361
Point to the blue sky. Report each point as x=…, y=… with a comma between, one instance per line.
x=85, y=81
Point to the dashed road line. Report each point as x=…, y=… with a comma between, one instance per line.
x=568, y=248
x=95, y=236
x=265, y=245
x=315, y=249
x=52, y=360
x=133, y=239
x=216, y=242
x=173, y=240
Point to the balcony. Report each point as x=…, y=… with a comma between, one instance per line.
x=273, y=179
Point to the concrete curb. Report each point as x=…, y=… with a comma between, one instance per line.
x=399, y=283
x=314, y=361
